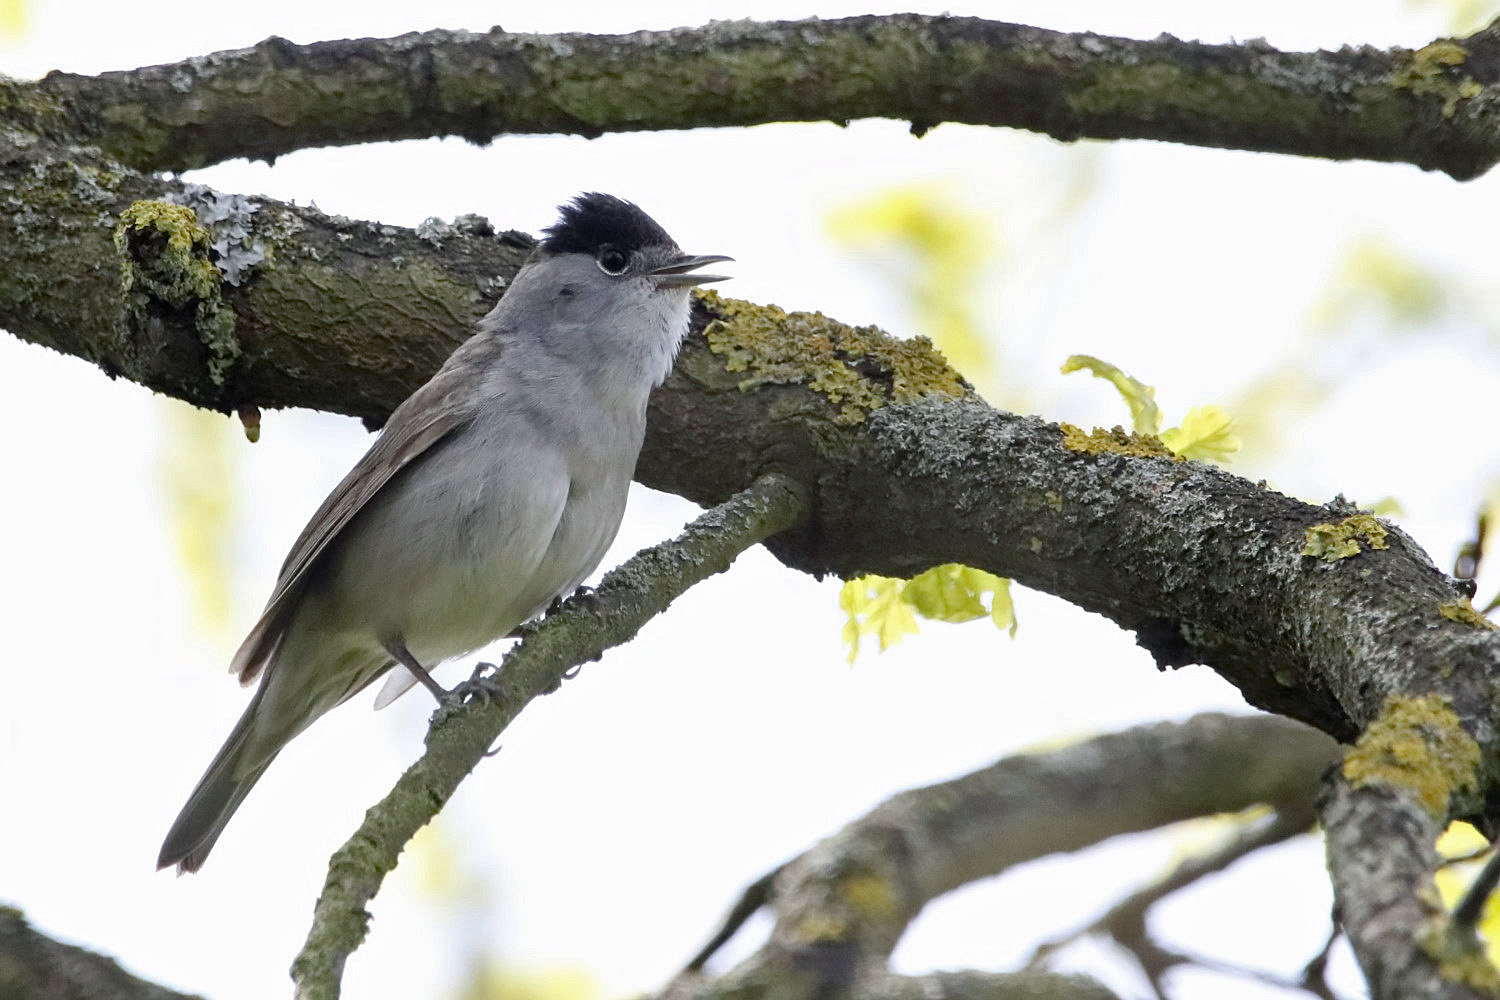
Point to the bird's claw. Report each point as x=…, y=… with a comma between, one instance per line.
x=483, y=686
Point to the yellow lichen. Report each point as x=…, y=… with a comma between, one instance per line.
x=815, y=927
x=869, y=895
x=165, y=255
x=1431, y=71
x=1462, y=611
x=1461, y=957
x=1332, y=542
x=1116, y=441
x=179, y=271
x=858, y=369
x=1054, y=500
x=1416, y=745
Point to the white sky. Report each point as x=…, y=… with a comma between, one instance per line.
x=627, y=810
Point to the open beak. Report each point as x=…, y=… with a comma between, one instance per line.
x=675, y=272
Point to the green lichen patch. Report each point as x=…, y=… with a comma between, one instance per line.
x=1432, y=69
x=1461, y=957
x=817, y=928
x=1463, y=612
x=1416, y=745
x=857, y=368
x=167, y=252
x=870, y=895
x=1332, y=542
x=1160, y=90
x=165, y=257
x=1115, y=441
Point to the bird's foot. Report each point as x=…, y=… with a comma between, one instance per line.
x=566, y=675
x=583, y=595
x=483, y=686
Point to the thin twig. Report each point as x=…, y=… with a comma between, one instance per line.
x=756, y=895
x=1125, y=921
x=579, y=632
x=1466, y=915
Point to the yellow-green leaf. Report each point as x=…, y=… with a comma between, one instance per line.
x=15, y=19
x=1205, y=433
x=874, y=607
x=196, y=479
x=884, y=606
x=1003, y=609
x=1461, y=840
x=944, y=247
x=944, y=594
x=1145, y=418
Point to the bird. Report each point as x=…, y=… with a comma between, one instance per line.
x=492, y=491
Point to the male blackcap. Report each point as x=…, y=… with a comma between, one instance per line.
x=493, y=490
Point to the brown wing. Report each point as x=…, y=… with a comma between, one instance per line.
x=428, y=415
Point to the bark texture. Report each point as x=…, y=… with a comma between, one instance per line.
x=1320, y=613
x=1434, y=107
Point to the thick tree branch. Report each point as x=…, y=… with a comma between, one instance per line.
x=1434, y=107
x=841, y=907
x=1380, y=838
x=310, y=294
x=779, y=983
x=1126, y=921
x=35, y=967
x=579, y=632
x=1202, y=565
x=1315, y=612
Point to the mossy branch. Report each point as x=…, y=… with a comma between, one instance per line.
x=579, y=632
x=905, y=468
x=34, y=966
x=1203, y=566
x=1434, y=106
x=841, y=907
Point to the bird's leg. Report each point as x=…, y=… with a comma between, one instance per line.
x=403, y=656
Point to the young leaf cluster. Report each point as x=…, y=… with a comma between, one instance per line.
x=887, y=607
x=1206, y=432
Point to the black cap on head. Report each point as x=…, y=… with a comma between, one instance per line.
x=595, y=220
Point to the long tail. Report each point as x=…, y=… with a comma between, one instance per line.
x=219, y=793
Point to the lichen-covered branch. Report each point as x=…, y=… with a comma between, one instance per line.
x=966, y=984
x=1126, y=921
x=1382, y=814
x=227, y=301
x=1323, y=613
x=910, y=472
x=35, y=967
x=841, y=907
x=1434, y=107
x=579, y=632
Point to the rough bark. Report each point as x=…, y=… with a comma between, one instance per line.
x=1319, y=613
x=460, y=737
x=35, y=967
x=1434, y=107
x=842, y=906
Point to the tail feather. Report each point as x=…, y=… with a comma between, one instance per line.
x=218, y=794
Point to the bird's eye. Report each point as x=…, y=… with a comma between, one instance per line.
x=613, y=260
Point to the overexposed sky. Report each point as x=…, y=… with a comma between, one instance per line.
x=626, y=811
